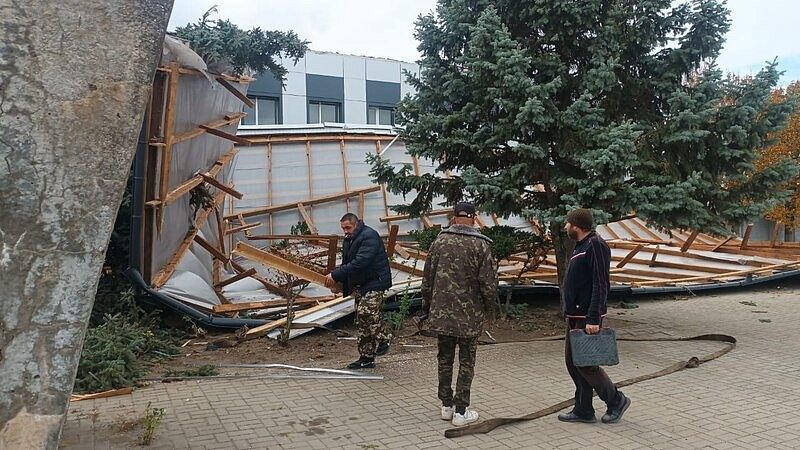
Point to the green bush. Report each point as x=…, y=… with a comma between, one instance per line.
x=111, y=350
x=425, y=237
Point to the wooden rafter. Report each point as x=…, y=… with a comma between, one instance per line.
x=747, y=232
x=231, y=137
x=293, y=205
x=264, y=304
x=689, y=241
x=307, y=218
x=210, y=248
x=278, y=263
x=209, y=178
x=166, y=272
x=169, y=138
x=186, y=187
x=630, y=256
x=236, y=93
x=239, y=276
x=229, y=119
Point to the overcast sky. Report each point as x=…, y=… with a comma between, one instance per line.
x=761, y=30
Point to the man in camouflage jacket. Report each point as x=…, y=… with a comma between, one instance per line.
x=459, y=287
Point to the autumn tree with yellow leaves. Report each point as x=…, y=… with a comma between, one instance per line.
x=786, y=144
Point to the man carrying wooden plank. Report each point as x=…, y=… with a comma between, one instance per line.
x=585, y=292
x=459, y=286
x=365, y=274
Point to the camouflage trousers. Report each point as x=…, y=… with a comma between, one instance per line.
x=369, y=322
x=467, y=348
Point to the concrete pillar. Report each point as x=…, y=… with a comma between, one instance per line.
x=75, y=77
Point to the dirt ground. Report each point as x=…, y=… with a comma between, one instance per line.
x=326, y=349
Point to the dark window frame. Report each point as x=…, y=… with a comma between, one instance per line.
x=336, y=104
x=278, y=110
x=378, y=107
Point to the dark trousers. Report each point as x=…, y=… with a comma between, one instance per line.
x=587, y=379
x=467, y=348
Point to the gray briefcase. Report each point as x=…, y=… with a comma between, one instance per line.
x=594, y=349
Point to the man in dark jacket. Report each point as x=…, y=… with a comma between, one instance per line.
x=459, y=286
x=586, y=287
x=365, y=274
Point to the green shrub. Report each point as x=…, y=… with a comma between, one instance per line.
x=111, y=350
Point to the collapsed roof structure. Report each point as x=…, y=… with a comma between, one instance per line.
x=216, y=202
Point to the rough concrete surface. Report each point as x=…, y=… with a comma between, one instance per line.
x=74, y=80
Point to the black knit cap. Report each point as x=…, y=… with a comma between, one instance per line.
x=581, y=218
x=464, y=209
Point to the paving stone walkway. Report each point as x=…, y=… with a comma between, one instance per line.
x=746, y=399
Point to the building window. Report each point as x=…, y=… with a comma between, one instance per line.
x=380, y=116
x=265, y=111
x=319, y=112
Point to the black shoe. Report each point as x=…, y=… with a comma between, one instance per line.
x=572, y=417
x=613, y=415
x=383, y=348
x=362, y=363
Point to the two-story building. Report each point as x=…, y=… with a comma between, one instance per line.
x=330, y=88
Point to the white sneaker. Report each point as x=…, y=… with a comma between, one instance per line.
x=467, y=418
x=447, y=412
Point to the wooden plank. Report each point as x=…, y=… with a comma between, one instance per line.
x=293, y=205
x=200, y=130
x=245, y=227
x=426, y=222
x=294, y=237
x=495, y=219
x=333, y=249
x=231, y=137
x=392, y=241
x=269, y=186
x=689, y=241
x=480, y=221
x=220, y=228
x=719, y=246
x=775, y=231
x=169, y=137
x=343, y=152
x=275, y=139
x=689, y=254
x=163, y=275
x=403, y=268
x=630, y=256
x=378, y=152
x=401, y=251
x=239, y=276
x=613, y=233
x=736, y=273
x=674, y=265
x=104, y=394
x=435, y=212
x=236, y=93
x=185, y=187
x=307, y=218
x=361, y=205
x=653, y=258
x=208, y=178
x=627, y=228
x=264, y=304
x=210, y=248
x=747, y=232
x=646, y=229
x=647, y=273
x=270, y=287
x=278, y=263
x=266, y=328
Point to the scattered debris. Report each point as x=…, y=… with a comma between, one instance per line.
x=765, y=320
x=748, y=303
